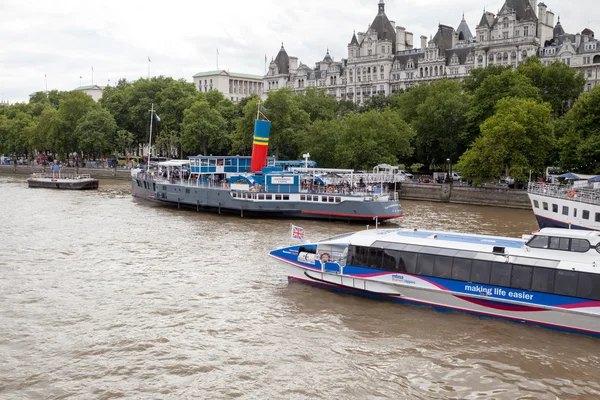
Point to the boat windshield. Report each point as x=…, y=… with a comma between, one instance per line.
x=332, y=253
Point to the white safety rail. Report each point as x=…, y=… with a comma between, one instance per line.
x=581, y=194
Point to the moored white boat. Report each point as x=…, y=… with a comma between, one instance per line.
x=565, y=206
x=550, y=279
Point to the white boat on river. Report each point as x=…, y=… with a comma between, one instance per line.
x=550, y=278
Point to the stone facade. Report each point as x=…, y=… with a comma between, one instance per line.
x=384, y=59
x=234, y=86
x=95, y=91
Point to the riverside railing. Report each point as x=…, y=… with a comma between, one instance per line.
x=588, y=195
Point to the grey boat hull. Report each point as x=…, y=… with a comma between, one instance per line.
x=221, y=200
x=63, y=184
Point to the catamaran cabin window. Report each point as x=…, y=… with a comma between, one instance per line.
x=597, y=217
x=410, y=262
x=461, y=269
x=375, y=258
x=338, y=199
x=538, y=242
x=565, y=210
x=302, y=197
x=500, y=274
x=277, y=197
x=481, y=271
x=286, y=197
x=554, y=208
x=268, y=197
x=442, y=267
x=425, y=264
x=391, y=260
x=545, y=206
x=315, y=198
x=558, y=243
x=588, y=286
x=566, y=283
x=330, y=199
x=324, y=199
x=586, y=214
x=543, y=280
x=580, y=245
x=575, y=212
x=261, y=196
x=536, y=204
x=521, y=277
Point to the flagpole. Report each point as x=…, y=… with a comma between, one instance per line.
x=92, y=76
x=46, y=78
x=217, y=58
x=150, y=142
x=149, y=67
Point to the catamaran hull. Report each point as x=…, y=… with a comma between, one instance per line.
x=443, y=300
x=221, y=201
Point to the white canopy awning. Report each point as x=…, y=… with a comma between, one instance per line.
x=174, y=163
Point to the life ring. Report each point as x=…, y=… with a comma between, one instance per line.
x=375, y=197
x=325, y=257
x=571, y=193
x=225, y=186
x=329, y=190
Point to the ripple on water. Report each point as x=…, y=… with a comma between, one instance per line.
x=104, y=296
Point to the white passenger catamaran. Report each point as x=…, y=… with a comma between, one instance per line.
x=550, y=278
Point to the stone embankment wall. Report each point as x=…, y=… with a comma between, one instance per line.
x=485, y=196
x=98, y=173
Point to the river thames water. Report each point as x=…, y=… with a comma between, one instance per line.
x=104, y=296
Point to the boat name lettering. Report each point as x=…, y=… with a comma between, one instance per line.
x=401, y=278
x=393, y=206
x=499, y=292
x=282, y=180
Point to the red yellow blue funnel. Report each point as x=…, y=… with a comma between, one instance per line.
x=260, y=145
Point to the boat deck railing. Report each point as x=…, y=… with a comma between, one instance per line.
x=363, y=192
x=586, y=195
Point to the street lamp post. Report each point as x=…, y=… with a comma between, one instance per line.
x=450, y=158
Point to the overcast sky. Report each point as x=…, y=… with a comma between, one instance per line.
x=64, y=39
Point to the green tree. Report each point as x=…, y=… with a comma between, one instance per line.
x=516, y=139
x=317, y=103
x=377, y=102
x=203, y=128
x=371, y=138
x=559, y=84
x=73, y=106
x=494, y=87
x=580, y=144
x=96, y=132
x=123, y=141
x=478, y=75
x=20, y=129
x=321, y=141
x=406, y=103
x=44, y=129
x=288, y=121
x=241, y=138
x=345, y=107
x=445, y=100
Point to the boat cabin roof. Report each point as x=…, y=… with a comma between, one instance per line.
x=174, y=163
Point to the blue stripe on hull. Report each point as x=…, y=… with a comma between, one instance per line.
x=545, y=222
x=436, y=307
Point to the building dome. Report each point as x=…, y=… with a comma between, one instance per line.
x=382, y=25
x=327, y=58
x=558, y=29
x=283, y=61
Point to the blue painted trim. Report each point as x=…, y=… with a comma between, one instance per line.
x=545, y=222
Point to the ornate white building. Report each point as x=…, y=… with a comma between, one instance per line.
x=383, y=59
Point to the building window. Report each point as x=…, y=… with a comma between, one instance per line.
x=383, y=49
x=504, y=35
x=370, y=52
x=481, y=38
x=505, y=23
x=526, y=31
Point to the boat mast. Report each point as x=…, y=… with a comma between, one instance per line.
x=150, y=141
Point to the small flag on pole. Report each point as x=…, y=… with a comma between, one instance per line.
x=157, y=117
x=262, y=108
x=297, y=233
x=265, y=58
x=149, y=60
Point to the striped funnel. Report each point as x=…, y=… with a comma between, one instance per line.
x=260, y=145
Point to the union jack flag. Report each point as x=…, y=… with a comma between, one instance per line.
x=297, y=233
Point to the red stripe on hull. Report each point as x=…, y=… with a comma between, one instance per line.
x=351, y=215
